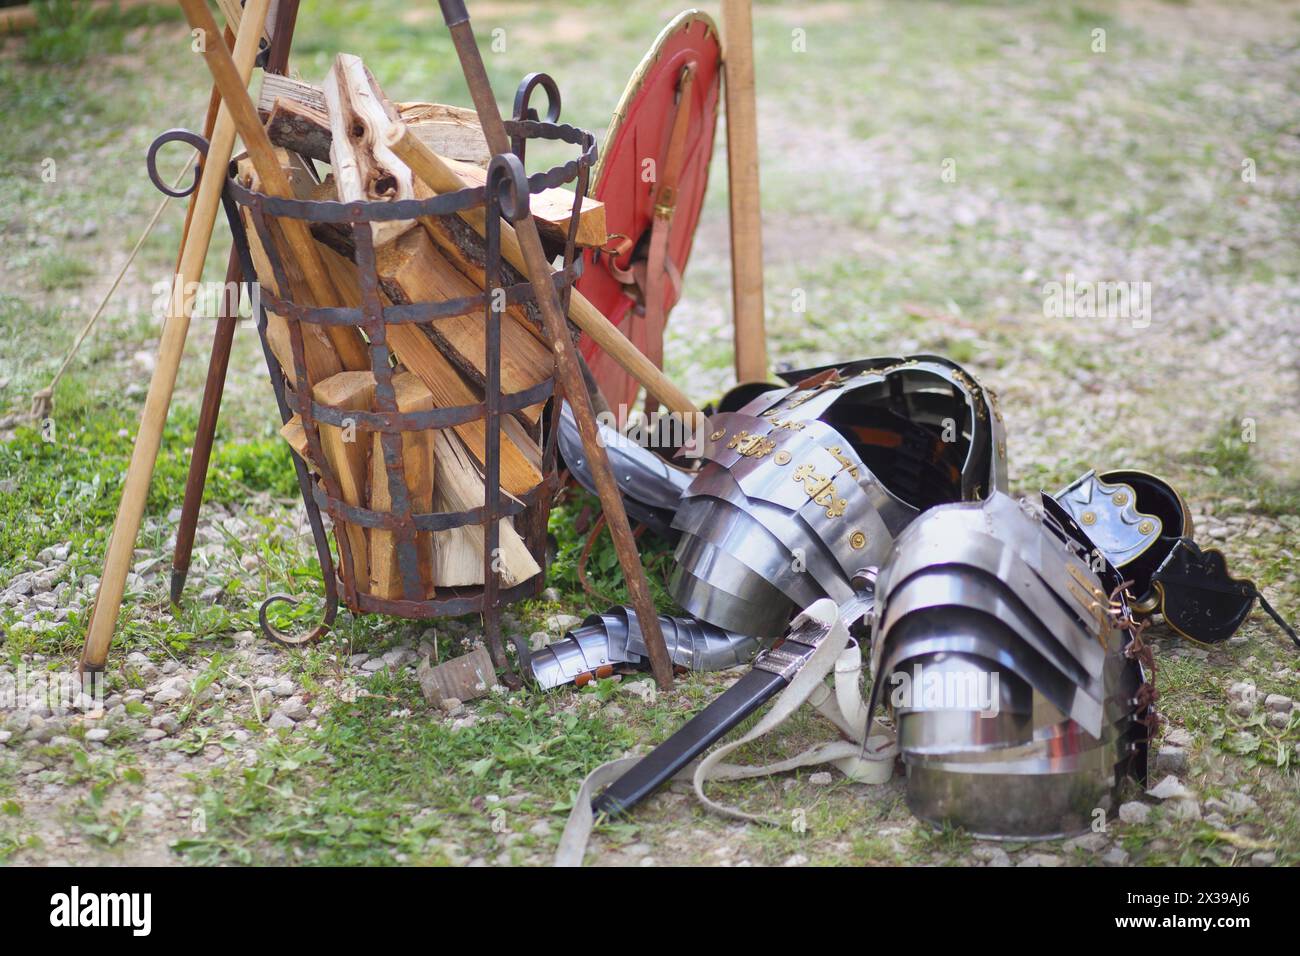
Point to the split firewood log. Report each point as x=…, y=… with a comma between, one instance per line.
x=365, y=169
x=411, y=270
x=299, y=120
x=321, y=357
x=552, y=208
x=458, y=553
x=418, y=473
x=347, y=452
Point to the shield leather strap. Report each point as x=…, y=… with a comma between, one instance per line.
x=659, y=268
x=666, y=117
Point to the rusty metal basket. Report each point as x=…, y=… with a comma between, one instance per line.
x=505, y=195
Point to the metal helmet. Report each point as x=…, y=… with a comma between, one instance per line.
x=998, y=648
x=804, y=488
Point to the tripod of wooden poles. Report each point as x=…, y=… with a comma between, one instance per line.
x=231, y=56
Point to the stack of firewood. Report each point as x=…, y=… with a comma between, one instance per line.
x=346, y=123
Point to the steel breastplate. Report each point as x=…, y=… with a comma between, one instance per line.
x=803, y=490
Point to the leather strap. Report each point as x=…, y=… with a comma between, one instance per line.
x=694, y=737
x=659, y=274
x=864, y=757
x=867, y=759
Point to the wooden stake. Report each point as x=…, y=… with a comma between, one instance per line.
x=528, y=244
x=742, y=172
x=135, y=488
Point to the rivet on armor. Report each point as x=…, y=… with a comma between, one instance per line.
x=1120, y=498
x=718, y=434
x=1089, y=517
x=781, y=458
x=1146, y=527
x=857, y=540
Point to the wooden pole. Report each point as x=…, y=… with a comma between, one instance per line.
x=135, y=489
x=274, y=182
x=742, y=173
x=285, y=16
x=441, y=178
x=538, y=271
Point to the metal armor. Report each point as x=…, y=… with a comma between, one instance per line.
x=1002, y=654
x=804, y=488
x=614, y=637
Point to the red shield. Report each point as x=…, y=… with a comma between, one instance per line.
x=639, y=151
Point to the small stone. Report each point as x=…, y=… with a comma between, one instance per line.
x=167, y=723
x=1088, y=842
x=295, y=708
x=1115, y=856
x=279, y=721
x=152, y=734
x=1239, y=803
x=1279, y=721
x=1243, y=691
x=991, y=855
x=821, y=779
x=452, y=705
x=1185, y=809
x=560, y=623
x=1171, y=760
x=638, y=850
x=98, y=735
x=798, y=859
x=168, y=695
x=374, y=666
x=1169, y=789
x=540, y=829
x=1177, y=737
x=644, y=689
x=1134, y=812
x=1278, y=704
x=1040, y=859
x=398, y=657
x=283, y=688
x=1263, y=858
x=5, y=737
x=648, y=861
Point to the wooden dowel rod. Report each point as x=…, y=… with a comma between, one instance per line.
x=742, y=179
x=135, y=488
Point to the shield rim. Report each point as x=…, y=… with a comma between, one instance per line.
x=642, y=71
